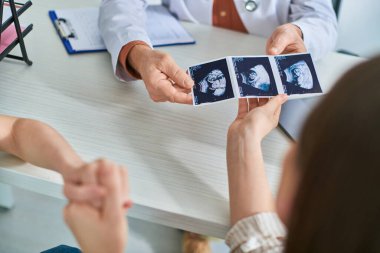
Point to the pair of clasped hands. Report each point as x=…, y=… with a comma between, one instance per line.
x=166, y=81
x=98, y=194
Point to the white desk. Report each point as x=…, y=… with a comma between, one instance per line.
x=175, y=153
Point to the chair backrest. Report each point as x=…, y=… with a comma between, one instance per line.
x=359, y=27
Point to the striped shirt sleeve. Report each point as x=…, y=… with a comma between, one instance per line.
x=260, y=233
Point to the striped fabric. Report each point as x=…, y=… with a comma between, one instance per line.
x=260, y=233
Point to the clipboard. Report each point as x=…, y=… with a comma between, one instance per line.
x=79, y=32
x=66, y=31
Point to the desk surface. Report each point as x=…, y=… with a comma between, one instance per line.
x=175, y=153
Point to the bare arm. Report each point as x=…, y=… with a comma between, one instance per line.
x=37, y=143
x=248, y=185
x=249, y=188
x=41, y=145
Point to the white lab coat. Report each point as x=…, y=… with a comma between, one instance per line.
x=122, y=21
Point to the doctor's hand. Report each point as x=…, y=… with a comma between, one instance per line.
x=164, y=80
x=286, y=39
x=103, y=229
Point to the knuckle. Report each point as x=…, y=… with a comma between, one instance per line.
x=113, y=171
x=103, y=162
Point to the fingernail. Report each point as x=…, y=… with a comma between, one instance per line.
x=189, y=83
x=274, y=50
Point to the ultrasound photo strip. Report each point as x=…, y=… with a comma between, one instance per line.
x=254, y=77
x=212, y=82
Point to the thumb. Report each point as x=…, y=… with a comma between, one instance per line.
x=279, y=41
x=275, y=103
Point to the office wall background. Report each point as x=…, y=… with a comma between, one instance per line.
x=359, y=27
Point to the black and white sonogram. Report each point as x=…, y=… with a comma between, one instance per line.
x=212, y=82
x=254, y=76
x=298, y=74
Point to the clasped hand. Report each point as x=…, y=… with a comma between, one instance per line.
x=98, y=199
